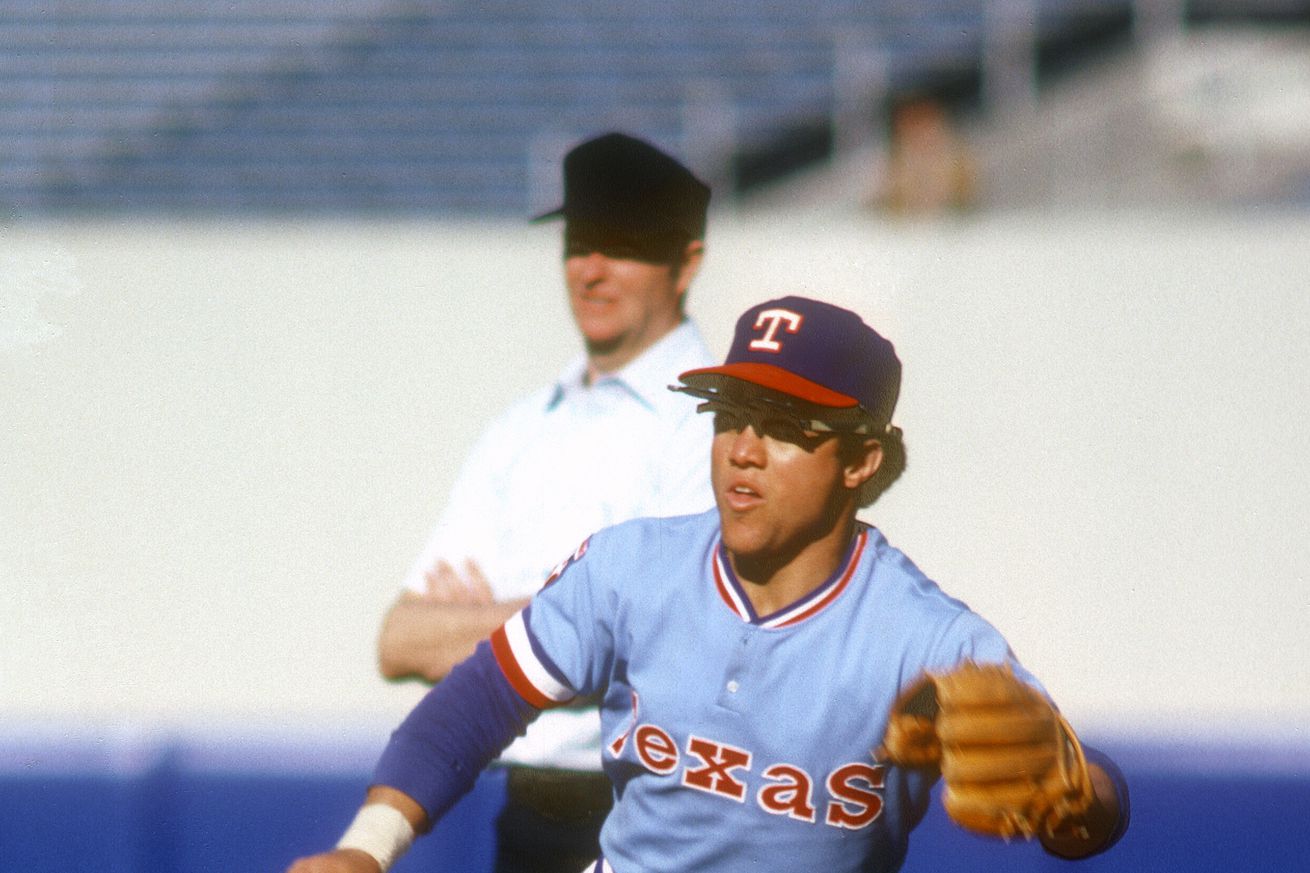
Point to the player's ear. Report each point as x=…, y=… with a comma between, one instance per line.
x=862, y=461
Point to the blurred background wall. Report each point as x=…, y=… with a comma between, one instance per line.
x=265, y=272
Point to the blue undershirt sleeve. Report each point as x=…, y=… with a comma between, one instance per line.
x=454, y=732
x=1096, y=756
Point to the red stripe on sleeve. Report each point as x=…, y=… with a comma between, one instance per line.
x=509, y=665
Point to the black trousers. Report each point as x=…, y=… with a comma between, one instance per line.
x=551, y=820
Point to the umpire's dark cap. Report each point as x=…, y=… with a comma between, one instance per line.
x=815, y=352
x=629, y=186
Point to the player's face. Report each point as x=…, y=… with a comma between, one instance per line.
x=621, y=303
x=779, y=488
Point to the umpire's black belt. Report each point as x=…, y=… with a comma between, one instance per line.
x=563, y=795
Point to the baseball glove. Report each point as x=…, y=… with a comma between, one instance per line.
x=1012, y=765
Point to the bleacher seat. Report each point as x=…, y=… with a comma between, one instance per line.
x=221, y=105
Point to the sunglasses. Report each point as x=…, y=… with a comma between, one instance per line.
x=776, y=422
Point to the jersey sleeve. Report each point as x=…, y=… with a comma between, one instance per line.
x=560, y=646
x=970, y=637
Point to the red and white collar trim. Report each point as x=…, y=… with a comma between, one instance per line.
x=730, y=590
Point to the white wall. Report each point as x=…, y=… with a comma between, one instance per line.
x=221, y=445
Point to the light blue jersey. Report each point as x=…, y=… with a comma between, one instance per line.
x=739, y=743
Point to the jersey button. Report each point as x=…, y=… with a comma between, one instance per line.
x=733, y=686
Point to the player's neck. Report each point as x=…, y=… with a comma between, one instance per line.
x=775, y=581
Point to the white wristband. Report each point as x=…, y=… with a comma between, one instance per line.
x=381, y=831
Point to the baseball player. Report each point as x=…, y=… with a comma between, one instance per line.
x=779, y=686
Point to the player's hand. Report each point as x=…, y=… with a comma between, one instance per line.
x=447, y=585
x=1011, y=763
x=337, y=861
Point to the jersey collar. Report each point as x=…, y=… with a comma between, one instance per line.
x=734, y=595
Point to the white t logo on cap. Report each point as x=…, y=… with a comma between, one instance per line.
x=774, y=318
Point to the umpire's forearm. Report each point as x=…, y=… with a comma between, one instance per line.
x=424, y=639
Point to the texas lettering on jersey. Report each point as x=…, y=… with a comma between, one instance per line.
x=851, y=800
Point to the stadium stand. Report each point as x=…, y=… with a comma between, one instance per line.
x=442, y=108
x=288, y=105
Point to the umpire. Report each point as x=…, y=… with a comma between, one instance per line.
x=604, y=442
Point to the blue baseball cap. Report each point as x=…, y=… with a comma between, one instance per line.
x=811, y=351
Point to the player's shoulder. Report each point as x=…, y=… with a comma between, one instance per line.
x=938, y=627
x=901, y=582
x=649, y=535
x=641, y=557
